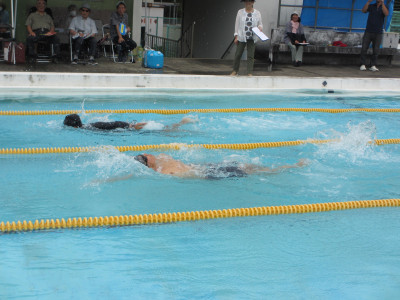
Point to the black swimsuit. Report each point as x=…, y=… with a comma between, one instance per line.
x=109, y=125
x=218, y=172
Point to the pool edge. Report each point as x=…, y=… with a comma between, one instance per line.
x=106, y=81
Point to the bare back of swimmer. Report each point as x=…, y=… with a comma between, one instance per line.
x=165, y=164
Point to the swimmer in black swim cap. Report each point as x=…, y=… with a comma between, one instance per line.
x=74, y=120
x=142, y=159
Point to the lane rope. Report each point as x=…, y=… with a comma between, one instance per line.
x=178, y=146
x=120, y=221
x=194, y=110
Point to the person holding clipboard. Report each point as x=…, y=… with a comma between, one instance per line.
x=295, y=38
x=246, y=19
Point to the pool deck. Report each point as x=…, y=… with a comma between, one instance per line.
x=197, y=74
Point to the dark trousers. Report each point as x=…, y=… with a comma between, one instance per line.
x=127, y=45
x=51, y=40
x=89, y=42
x=250, y=55
x=375, y=39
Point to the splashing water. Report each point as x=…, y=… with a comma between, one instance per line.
x=83, y=107
x=353, y=145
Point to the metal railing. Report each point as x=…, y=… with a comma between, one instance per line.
x=170, y=48
x=183, y=47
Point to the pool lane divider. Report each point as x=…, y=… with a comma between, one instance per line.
x=199, y=110
x=145, y=219
x=177, y=146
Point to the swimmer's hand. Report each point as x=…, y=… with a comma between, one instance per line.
x=137, y=126
x=302, y=162
x=187, y=120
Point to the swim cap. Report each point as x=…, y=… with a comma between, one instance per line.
x=142, y=159
x=73, y=120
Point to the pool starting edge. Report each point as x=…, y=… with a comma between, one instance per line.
x=127, y=82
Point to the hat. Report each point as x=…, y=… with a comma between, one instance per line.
x=120, y=2
x=295, y=13
x=87, y=6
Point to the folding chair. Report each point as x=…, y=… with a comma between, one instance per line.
x=45, y=52
x=7, y=38
x=107, y=41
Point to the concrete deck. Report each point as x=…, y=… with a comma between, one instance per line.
x=204, y=74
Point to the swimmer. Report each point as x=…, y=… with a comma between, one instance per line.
x=165, y=164
x=74, y=120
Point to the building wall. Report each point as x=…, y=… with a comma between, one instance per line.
x=215, y=23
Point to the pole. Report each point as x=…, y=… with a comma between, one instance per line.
x=13, y=24
x=191, y=42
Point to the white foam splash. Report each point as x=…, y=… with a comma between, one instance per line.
x=152, y=125
x=353, y=145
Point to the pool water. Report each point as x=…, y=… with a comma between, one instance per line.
x=340, y=254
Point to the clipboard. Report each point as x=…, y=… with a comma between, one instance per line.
x=260, y=34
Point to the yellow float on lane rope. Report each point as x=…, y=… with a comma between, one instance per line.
x=199, y=110
x=177, y=146
x=130, y=220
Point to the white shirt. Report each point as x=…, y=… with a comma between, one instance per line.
x=79, y=24
x=241, y=21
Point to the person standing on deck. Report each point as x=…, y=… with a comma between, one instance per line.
x=373, y=32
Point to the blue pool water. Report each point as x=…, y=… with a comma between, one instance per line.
x=342, y=254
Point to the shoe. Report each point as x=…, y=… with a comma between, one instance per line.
x=363, y=68
x=250, y=75
x=133, y=60
x=55, y=60
x=296, y=64
x=299, y=63
x=92, y=62
x=234, y=73
x=373, y=69
x=74, y=62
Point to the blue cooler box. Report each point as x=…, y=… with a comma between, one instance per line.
x=154, y=59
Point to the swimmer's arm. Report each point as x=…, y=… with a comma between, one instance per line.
x=176, y=126
x=137, y=126
x=255, y=169
x=113, y=179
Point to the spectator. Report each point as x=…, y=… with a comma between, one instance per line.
x=40, y=27
x=373, y=32
x=47, y=10
x=83, y=30
x=294, y=37
x=71, y=14
x=119, y=30
x=4, y=22
x=246, y=19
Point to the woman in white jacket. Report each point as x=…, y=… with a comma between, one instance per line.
x=246, y=19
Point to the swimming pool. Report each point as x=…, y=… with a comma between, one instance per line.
x=346, y=254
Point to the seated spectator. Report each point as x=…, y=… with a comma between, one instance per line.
x=71, y=14
x=294, y=37
x=4, y=22
x=40, y=27
x=47, y=10
x=119, y=30
x=82, y=30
